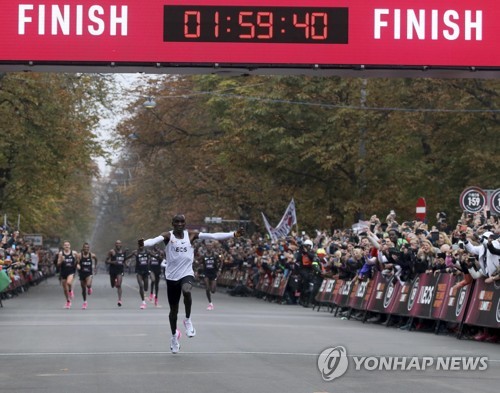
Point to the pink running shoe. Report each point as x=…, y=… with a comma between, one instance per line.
x=71, y=294
x=68, y=304
x=151, y=297
x=143, y=305
x=89, y=291
x=210, y=307
x=84, y=306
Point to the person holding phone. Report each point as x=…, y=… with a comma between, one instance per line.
x=434, y=237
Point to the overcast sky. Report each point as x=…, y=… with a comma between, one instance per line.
x=108, y=123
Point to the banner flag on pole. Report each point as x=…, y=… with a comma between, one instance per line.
x=285, y=225
x=268, y=226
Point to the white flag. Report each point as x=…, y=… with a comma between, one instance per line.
x=285, y=225
x=268, y=226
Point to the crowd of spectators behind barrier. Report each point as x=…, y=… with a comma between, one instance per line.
x=24, y=263
x=398, y=249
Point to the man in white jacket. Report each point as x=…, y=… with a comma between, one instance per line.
x=179, y=272
x=488, y=262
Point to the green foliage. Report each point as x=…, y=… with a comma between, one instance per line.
x=341, y=147
x=47, y=145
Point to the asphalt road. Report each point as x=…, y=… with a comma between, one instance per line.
x=245, y=345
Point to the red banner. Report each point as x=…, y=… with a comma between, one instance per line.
x=331, y=290
x=324, y=295
x=442, y=33
x=341, y=298
x=427, y=296
x=278, y=286
x=484, y=306
x=400, y=303
x=383, y=295
x=455, y=302
x=361, y=294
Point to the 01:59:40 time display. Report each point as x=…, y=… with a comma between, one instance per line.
x=255, y=24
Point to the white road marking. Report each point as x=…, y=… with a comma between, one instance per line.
x=33, y=354
x=142, y=372
x=122, y=353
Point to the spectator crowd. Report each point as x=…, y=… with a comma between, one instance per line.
x=22, y=264
x=399, y=250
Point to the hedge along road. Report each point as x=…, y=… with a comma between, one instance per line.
x=245, y=345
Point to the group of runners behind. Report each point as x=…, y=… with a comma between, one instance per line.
x=148, y=266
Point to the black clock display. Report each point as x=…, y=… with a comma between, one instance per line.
x=323, y=25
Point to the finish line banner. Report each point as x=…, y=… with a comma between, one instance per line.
x=387, y=33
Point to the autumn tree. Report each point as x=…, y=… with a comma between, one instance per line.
x=47, y=149
x=342, y=147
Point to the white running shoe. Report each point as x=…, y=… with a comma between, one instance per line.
x=175, y=345
x=190, y=330
x=210, y=307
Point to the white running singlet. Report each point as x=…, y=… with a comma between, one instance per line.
x=180, y=257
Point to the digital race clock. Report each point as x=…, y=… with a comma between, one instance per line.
x=322, y=25
x=253, y=36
